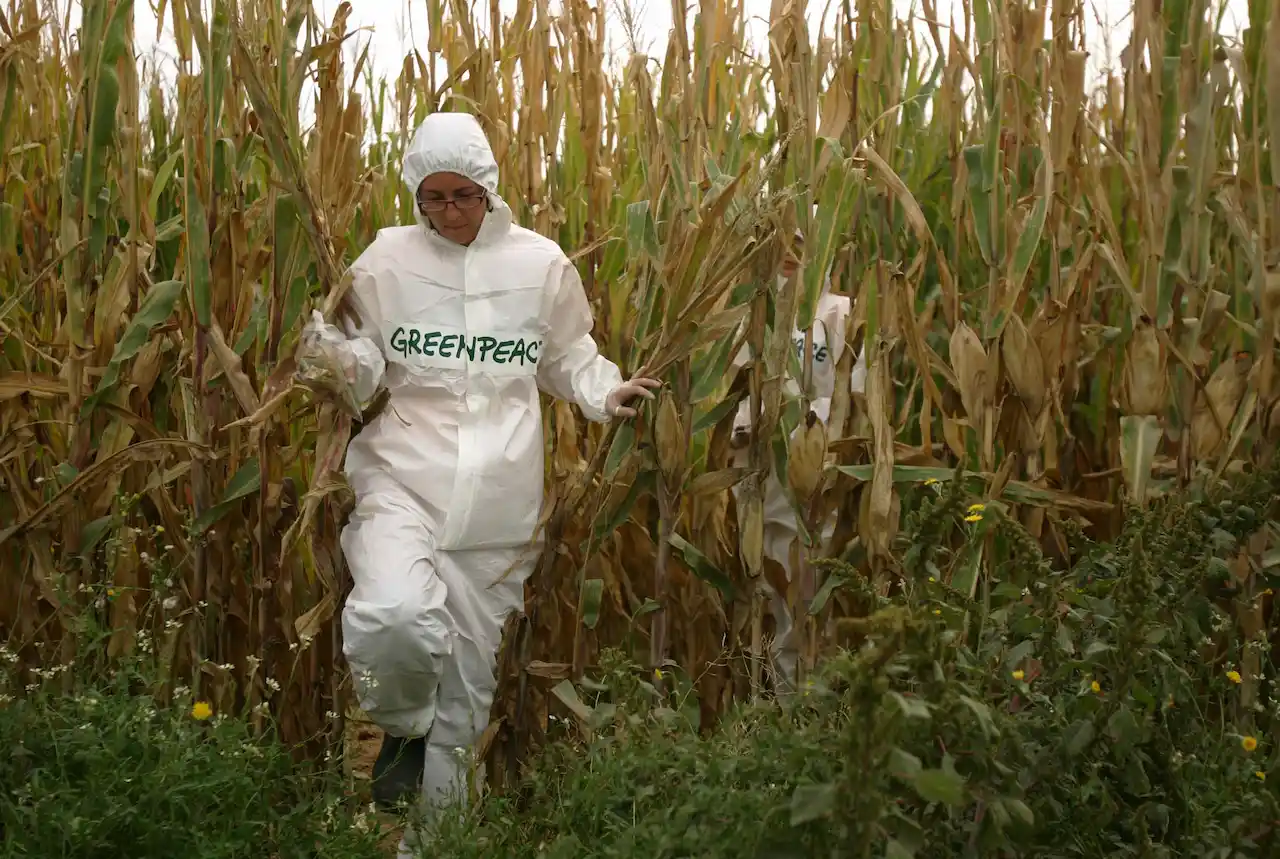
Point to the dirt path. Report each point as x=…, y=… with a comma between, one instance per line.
x=363, y=741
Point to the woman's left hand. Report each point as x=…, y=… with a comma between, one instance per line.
x=619, y=397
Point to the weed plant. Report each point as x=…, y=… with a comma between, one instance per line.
x=1102, y=707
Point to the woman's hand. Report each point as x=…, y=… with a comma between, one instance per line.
x=619, y=397
x=325, y=362
x=323, y=352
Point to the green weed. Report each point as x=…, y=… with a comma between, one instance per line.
x=1103, y=707
x=99, y=771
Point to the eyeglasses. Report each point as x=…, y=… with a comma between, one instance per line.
x=462, y=204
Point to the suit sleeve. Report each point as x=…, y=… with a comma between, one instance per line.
x=364, y=336
x=858, y=378
x=838, y=322
x=571, y=367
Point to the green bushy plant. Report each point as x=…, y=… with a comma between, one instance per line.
x=1099, y=708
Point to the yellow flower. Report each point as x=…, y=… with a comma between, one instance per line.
x=932, y=481
x=159, y=529
x=1233, y=676
x=111, y=593
x=973, y=517
x=932, y=579
x=1261, y=775
x=977, y=508
x=1019, y=674
x=937, y=611
x=657, y=674
x=1095, y=686
x=201, y=711
x=1248, y=743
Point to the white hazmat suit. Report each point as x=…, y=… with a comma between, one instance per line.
x=780, y=527
x=449, y=477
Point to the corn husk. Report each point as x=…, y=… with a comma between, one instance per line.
x=1146, y=378
x=1023, y=364
x=670, y=439
x=1217, y=404
x=969, y=360
x=751, y=533
x=1273, y=422
x=807, y=458
x=1271, y=294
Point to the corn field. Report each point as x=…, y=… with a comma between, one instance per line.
x=1068, y=297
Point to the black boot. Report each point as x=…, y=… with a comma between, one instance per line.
x=397, y=773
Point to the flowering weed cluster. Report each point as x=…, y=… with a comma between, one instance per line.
x=102, y=771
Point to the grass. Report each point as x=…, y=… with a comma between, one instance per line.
x=101, y=770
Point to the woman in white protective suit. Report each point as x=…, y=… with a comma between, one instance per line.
x=463, y=317
x=780, y=527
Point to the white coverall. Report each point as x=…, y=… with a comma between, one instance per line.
x=449, y=477
x=780, y=527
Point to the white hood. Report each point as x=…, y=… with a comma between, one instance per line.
x=450, y=143
x=826, y=280
x=455, y=143
x=781, y=280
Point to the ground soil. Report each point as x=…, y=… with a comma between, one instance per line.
x=363, y=741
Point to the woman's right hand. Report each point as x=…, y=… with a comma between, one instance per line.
x=321, y=349
x=325, y=361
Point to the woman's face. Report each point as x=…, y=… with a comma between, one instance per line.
x=791, y=262
x=454, y=205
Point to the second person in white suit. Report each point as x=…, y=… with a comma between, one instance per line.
x=780, y=528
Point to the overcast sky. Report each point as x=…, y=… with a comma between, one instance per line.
x=394, y=27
